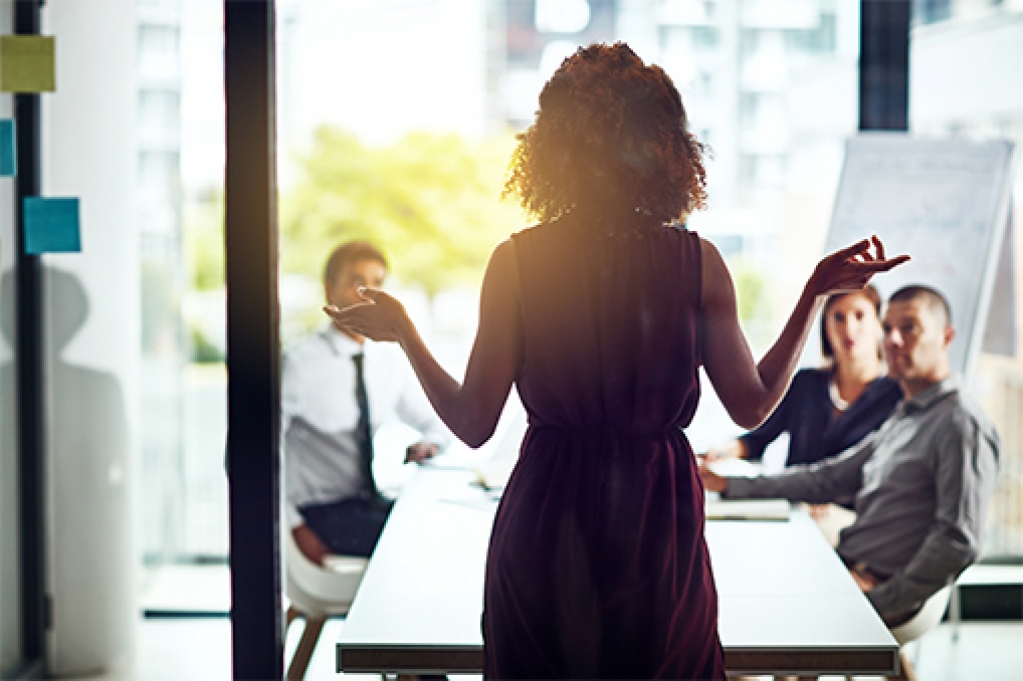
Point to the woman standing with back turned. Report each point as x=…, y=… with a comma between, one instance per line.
x=601, y=315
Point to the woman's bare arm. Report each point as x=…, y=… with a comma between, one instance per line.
x=470, y=409
x=749, y=390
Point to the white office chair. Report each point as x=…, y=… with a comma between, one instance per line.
x=315, y=593
x=928, y=618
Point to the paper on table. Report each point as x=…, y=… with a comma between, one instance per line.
x=747, y=509
x=27, y=63
x=735, y=468
x=494, y=474
x=455, y=457
x=478, y=501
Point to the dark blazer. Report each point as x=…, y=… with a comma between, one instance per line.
x=807, y=415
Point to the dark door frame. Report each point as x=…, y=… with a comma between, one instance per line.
x=30, y=374
x=884, y=65
x=252, y=342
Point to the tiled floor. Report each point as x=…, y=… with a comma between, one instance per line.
x=193, y=650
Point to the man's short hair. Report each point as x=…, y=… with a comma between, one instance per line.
x=934, y=299
x=349, y=252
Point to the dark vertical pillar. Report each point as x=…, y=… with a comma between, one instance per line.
x=884, y=64
x=252, y=343
x=30, y=354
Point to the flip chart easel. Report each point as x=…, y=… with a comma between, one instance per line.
x=947, y=203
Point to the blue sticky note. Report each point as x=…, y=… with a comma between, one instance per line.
x=52, y=225
x=8, y=157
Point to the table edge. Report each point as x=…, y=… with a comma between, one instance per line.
x=815, y=660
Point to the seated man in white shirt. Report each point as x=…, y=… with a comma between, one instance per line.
x=332, y=504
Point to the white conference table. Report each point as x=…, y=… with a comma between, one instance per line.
x=787, y=605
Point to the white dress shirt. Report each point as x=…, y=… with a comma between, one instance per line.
x=318, y=388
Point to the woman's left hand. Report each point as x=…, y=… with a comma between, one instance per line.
x=380, y=317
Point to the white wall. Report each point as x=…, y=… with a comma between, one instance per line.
x=380, y=67
x=966, y=71
x=92, y=300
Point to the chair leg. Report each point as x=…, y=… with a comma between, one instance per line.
x=955, y=612
x=306, y=645
x=906, y=671
x=291, y=616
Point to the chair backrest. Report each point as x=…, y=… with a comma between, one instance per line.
x=321, y=590
x=929, y=617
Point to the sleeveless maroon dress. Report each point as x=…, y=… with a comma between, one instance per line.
x=597, y=565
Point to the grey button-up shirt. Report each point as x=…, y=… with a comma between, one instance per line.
x=921, y=485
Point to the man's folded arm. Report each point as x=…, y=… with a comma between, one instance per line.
x=817, y=483
x=966, y=466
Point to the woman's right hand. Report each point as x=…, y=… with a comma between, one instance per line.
x=379, y=317
x=852, y=267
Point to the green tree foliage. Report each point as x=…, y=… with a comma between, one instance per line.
x=753, y=301
x=431, y=202
x=204, y=242
x=749, y=289
x=160, y=299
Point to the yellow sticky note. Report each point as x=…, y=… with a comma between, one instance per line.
x=27, y=63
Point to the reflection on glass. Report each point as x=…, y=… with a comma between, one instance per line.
x=10, y=535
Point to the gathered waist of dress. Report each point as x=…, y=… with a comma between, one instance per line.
x=608, y=430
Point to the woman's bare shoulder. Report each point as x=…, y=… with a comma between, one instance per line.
x=503, y=268
x=717, y=282
x=709, y=250
x=503, y=253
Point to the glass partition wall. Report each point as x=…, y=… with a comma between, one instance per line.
x=773, y=93
x=10, y=511
x=385, y=106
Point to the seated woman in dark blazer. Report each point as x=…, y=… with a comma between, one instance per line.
x=829, y=409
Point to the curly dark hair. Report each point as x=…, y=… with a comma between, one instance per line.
x=609, y=140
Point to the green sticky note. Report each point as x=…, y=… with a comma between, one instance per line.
x=27, y=63
x=52, y=225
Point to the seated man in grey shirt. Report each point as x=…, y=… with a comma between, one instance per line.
x=921, y=483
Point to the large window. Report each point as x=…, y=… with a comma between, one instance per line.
x=385, y=106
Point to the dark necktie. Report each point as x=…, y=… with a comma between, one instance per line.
x=363, y=432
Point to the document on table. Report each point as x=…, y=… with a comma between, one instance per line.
x=747, y=509
x=457, y=458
